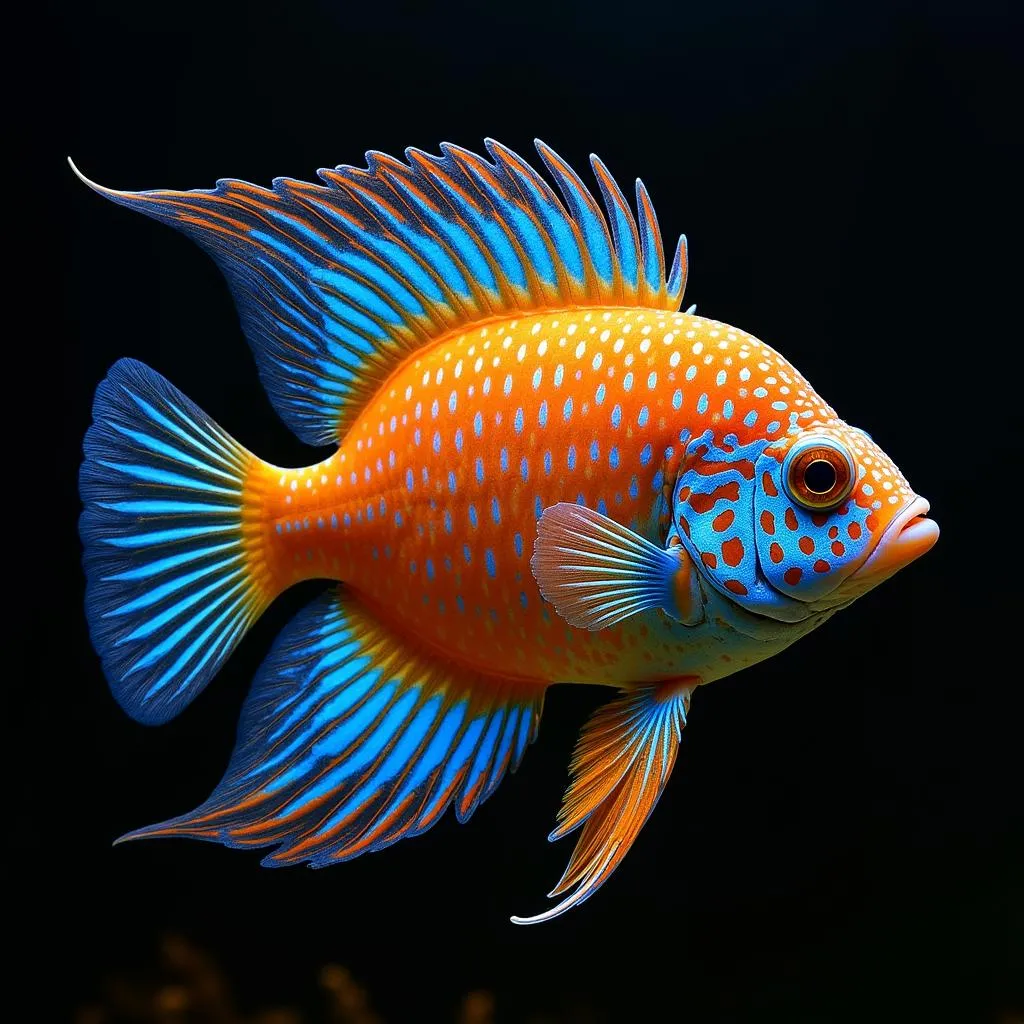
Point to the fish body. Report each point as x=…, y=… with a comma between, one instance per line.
x=542, y=472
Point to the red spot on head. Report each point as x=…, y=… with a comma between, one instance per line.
x=768, y=485
x=684, y=492
x=806, y=545
x=768, y=522
x=736, y=587
x=854, y=531
x=732, y=551
x=871, y=522
x=775, y=552
x=709, y=560
x=821, y=565
x=701, y=503
x=723, y=521
x=791, y=519
x=838, y=548
x=792, y=576
x=833, y=532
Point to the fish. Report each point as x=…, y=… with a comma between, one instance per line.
x=535, y=469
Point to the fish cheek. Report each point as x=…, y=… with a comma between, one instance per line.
x=713, y=511
x=804, y=554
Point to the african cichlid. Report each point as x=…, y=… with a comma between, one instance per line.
x=540, y=471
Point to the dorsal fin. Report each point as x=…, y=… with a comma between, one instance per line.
x=336, y=284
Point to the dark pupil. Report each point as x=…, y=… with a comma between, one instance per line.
x=820, y=477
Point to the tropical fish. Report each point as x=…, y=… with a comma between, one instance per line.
x=540, y=471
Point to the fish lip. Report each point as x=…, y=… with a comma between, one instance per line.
x=910, y=535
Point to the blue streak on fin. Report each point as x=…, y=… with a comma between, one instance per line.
x=336, y=284
x=597, y=572
x=620, y=768
x=170, y=589
x=352, y=739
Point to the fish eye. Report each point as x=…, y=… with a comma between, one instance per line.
x=819, y=473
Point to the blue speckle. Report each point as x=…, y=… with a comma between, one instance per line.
x=429, y=565
x=334, y=521
x=416, y=436
x=522, y=598
x=538, y=507
x=398, y=519
x=645, y=455
x=581, y=499
x=458, y=439
x=412, y=566
x=508, y=385
x=779, y=406
x=547, y=463
x=518, y=422
x=727, y=409
x=348, y=519
x=517, y=542
x=677, y=399
x=524, y=468
x=702, y=404
x=383, y=510
x=495, y=510
x=627, y=381
x=408, y=479
x=652, y=381
x=472, y=516
x=599, y=394
x=773, y=426
x=503, y=458
x=447, y=521
x=478, y=424
x=595, y=450
x=691, y=372
x=720, y=377
x=492, y=568
x=616, y=416
x=750, y=419
x=760, y=392
x=567, y=409
x=435, y=408
x=437, y=442
x=570, y=458
x=634, y=486
x=641, y=420
x=559, y=372
x=542, y=414
x=480, y=469
x=452, y=482
x=452, y=401
x=467, y=554
x=460, y=604
x=536, y=378
x=613, y=457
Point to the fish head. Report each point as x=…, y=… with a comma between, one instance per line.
x=792, y=528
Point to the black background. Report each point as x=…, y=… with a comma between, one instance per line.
x=841, y=840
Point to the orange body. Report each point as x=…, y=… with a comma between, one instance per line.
x=429, y=507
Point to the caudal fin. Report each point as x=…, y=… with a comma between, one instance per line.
x=173, y=567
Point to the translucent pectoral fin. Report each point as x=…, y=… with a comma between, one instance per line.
x=621, y=765
x=597, y=572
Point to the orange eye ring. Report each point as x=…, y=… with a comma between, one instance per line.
x=819, y=473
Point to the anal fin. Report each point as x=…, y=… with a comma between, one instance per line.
x=621, y=765
x=353, y=738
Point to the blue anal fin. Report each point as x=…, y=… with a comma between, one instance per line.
x=352, y=739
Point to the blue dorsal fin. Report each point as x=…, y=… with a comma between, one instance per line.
x=337, y=283
x=350, y=740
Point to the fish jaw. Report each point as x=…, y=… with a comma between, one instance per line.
x=910, y=535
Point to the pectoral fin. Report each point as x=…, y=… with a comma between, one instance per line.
x=597, y=572
x=622, y=762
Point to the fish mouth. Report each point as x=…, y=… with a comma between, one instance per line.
x=910, y=535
